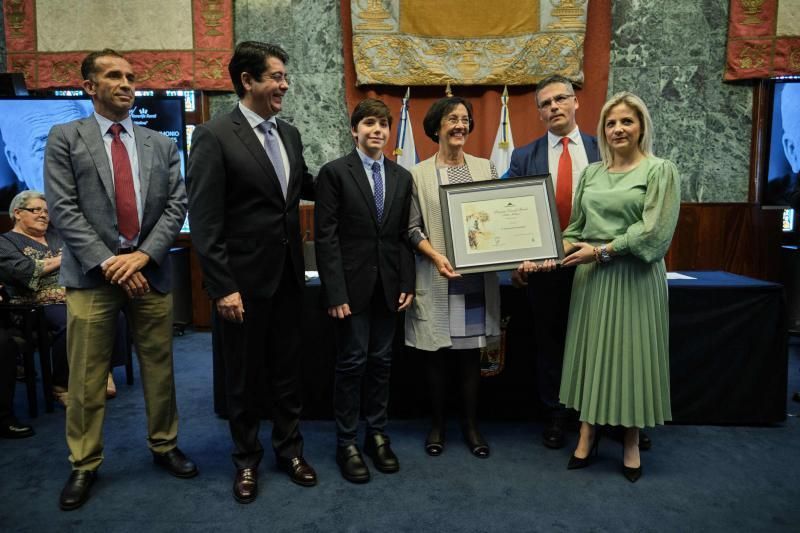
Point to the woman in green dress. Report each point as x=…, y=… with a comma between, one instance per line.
x=616, y=361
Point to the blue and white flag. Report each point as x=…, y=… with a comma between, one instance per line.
x=406, y=150
x=504, y=141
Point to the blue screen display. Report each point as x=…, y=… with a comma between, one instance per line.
x=25, y=123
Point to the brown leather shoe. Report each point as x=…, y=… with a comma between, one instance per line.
x=299, y=471
x=245, y=486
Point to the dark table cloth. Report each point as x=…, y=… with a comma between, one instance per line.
x=728, y=357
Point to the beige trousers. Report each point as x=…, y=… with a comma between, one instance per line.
x=91, y=321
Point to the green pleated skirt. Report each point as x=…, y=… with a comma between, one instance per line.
x=616, y=361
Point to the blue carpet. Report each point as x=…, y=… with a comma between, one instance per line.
x=696, y=478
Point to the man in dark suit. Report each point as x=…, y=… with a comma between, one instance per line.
x=549, y=292
x=246, y=177
x=117, y=198
x=367, y=271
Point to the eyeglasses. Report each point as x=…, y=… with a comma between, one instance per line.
x=559, y=100
x=279, y=78
x=455, y=121
x=36, y=210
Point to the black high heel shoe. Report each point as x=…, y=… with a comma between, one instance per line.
x=632, y=474
x=577, y=462
x=434, y=443
x=477, y=445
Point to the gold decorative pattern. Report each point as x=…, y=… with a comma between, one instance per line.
x=794, y=59
x=22, y=65
x=15, y=17
x=383, y=54
x=213, y=69
x=751, y=8
x=65, y=71
x=211, y=11
x=374, y=17
x=168, y=70
x=408, y=60
x=569, y=13
x=752, y=56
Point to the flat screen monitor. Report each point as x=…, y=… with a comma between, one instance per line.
x=783, y=165
x=26, y=121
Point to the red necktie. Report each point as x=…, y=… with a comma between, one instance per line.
x=564, y=185
x=127, y=214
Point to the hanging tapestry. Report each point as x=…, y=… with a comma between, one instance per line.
x=467, y=42
x=763, y=39
x=171, y=45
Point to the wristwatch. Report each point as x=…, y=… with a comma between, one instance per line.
x=605, y=257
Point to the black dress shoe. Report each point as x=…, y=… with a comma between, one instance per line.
x=299, y=471
x=553, y=436
x=76, y=491
x=351, y=464
x=245, y=486
x=176, y=463
x=377, y=447
x=14, y=429
x=434, y=442
x=475, y=442
x=644, y=441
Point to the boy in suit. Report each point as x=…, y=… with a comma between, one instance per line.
x=367, y=271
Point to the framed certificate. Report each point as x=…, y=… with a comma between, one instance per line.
x=497, y=224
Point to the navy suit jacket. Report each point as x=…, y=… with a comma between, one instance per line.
x=531, y=159
x=354, y=250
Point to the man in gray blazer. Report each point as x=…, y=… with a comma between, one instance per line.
x=116, y=196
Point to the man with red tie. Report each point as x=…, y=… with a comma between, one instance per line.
x=117, y=198
x=549, y=292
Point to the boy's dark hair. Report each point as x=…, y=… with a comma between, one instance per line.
x=370, y=108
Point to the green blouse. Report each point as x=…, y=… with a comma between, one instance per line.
x=636, y=211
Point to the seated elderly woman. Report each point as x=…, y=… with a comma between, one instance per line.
x=30, y=257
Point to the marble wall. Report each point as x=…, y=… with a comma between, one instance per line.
x=311, y=33
x=670, y=53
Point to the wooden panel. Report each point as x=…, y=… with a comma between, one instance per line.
x=739, y=238
x=307, y=222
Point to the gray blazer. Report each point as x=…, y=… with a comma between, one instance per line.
x=80, y=195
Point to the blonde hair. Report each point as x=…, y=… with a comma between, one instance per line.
x=646, y=124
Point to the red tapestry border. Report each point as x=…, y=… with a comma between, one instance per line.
x=204, y=67
x=754, y=50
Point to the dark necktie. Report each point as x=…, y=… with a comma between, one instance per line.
x=124, y=193
x=564, y=186
x=378, y=180
x=274, y=152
